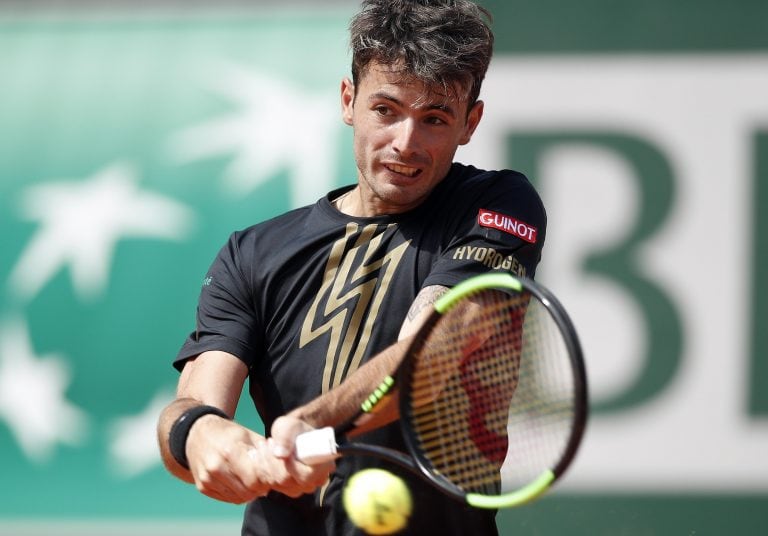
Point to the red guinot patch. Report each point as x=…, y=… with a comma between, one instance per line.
x=495, y=220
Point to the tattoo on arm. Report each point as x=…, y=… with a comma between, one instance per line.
x=425, y=298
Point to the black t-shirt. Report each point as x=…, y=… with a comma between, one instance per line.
x=304, y=298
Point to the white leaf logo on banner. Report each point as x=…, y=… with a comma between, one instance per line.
x=81, y=223
x=32, y=396
x=277, y=126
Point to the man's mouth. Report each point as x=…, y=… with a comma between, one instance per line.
x=403, y=170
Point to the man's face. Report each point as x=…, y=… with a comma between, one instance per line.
x=405, y=137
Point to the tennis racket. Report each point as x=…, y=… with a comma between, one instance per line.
x=492, y=396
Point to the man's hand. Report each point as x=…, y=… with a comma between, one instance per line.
x=305, y=478
x=234, y=464
x=226, y=460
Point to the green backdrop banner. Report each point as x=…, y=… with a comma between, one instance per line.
x=132, y=144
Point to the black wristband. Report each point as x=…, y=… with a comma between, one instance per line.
x=177, y=439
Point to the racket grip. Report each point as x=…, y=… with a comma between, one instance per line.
x=317, y=446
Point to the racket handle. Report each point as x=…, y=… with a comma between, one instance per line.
x=317, y=446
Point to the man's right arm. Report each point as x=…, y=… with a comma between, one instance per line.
x=212, y=379
x=226, y=460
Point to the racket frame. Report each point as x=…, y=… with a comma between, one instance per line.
x=539, y=485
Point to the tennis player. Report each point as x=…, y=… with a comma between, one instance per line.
x=310, y=306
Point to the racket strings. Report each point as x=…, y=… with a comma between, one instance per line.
x=542, y=415
x=462, y=384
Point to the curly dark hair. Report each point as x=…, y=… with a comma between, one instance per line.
x=441, y=43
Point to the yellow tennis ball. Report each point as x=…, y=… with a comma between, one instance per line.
x=377, y=501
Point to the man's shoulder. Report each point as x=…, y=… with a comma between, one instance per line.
x=472, y=177
x=466, y=183
x=278, y=223
x=270, y=233
x=467, y=191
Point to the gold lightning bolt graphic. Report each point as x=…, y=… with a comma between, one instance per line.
x=350, y=315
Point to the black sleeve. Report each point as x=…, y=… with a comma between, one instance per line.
x=226, y=317
x=501, y=227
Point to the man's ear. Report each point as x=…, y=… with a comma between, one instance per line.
x=473, y=119
x=347, y=100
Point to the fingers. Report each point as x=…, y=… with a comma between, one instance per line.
x=229, y=476
x=228, y=488
x=309, y=477
x=245, y=472
x=283, y=437
x=286, y=475
x=303, y=478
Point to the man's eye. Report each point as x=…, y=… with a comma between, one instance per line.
x=381, y=110
x=435, y=121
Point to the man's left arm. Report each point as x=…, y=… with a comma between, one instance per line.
x=342, y=403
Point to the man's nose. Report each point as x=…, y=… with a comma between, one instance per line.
x=406, y=139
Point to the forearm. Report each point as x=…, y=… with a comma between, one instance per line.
x=342, y=403
x=228, y=461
